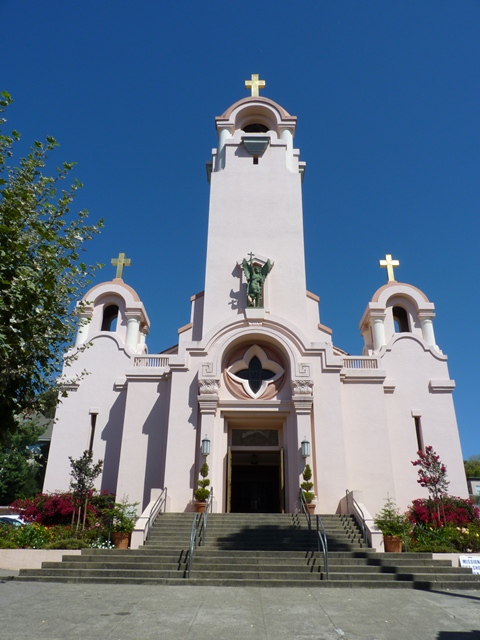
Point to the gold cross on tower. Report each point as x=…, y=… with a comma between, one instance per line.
x=390, y=265
x=254, y=84
x=121, y=262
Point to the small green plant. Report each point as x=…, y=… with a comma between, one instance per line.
x=102, y=543
x=201, y=494
x=122, y=516
x=389, y=520
x=307, y=484
x=68, y=543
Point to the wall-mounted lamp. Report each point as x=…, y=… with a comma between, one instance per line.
x=205, y=446
x=305, y=448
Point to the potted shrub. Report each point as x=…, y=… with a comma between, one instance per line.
x=201, y=494
x=307, y=486
x=122, y=517
x=392, y=524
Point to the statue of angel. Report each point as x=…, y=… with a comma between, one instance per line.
x=255, y=277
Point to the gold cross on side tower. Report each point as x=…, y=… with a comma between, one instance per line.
x=254, y=84
x=390, y=265
x=121, y=262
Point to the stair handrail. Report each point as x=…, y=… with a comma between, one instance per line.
x=198, y=531
x=322, y=541
x=357, y=513
x=203, y=523
x=193, y=542
x=144, y=523
x=304, y=509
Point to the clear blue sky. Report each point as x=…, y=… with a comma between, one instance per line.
x=387, y=96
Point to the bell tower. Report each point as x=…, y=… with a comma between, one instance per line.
x=255, y=210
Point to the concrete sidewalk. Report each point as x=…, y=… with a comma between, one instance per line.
x=122, y=612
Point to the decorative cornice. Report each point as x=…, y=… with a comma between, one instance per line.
x=303, y=405
x=208, y=386
x=441, y=386
x=302, y=387
x=208, y=395
x=302, y=396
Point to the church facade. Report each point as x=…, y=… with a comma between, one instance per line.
x=256, y=376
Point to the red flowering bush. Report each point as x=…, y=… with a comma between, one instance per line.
x=454, y=511
x=58, y=508
x=46, y=509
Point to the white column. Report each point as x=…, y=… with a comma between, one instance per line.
x=302, y=398
x=133, y=329
x=84, y=321
x=428, y=333
x=287, y=135
x=378, y=331
x=143, y=340
x=223, y=135
x=208, y=403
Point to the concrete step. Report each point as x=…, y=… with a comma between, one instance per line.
x=274, y=583
x=249, y=549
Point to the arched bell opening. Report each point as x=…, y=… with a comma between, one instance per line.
x=110, y=318
x=400, y=320
x=255, y=127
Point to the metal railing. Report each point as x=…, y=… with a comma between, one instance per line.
x=198, y=532
x=322, y=541
x=357, y=513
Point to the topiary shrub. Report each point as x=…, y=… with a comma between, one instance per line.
x=307, y=484
x=201, y=494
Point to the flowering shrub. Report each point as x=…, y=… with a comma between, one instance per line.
x=30, y=536
x=448, y=538
x=46, y=509
x=451, y=524
x=432, y=473
x=456, y=511
x=55, y=521
x=102, y=543
x=59, y=508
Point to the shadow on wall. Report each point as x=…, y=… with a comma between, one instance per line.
x=156, y=428
x=112, y=435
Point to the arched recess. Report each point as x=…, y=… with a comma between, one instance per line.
x=401, y=320
x=110, y=318
x=255, y=127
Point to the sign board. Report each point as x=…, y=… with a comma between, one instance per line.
x=471, y=562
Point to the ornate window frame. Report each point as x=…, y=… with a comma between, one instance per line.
x=243, y=363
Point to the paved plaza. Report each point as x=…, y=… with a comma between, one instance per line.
x=122, y=612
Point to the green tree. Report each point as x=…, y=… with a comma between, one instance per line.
x=84, y=473
x=21, y=462
x=472, y=467
x=41, y=274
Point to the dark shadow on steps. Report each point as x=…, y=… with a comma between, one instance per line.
x=458, y=635
x=268, y=537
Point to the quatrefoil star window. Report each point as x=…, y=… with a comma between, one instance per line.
x=255, y=371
